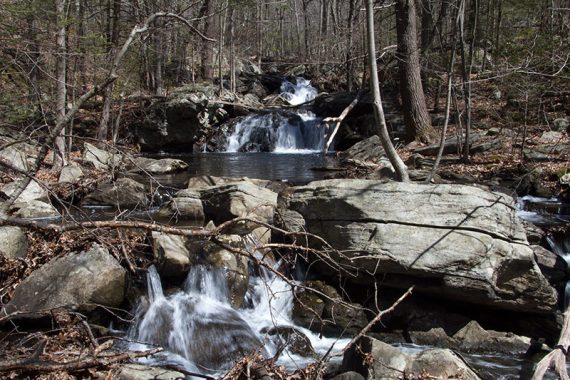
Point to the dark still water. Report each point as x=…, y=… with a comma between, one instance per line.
x=296, y=168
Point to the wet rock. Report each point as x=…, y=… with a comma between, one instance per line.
x=390, y=363
x=13, y=242
x=85, y=280
x=185, y=206
x=123, y=193
x=99, y=158
x=234, y=264
x=239, y=200
x=463, y=242
x=162, y=166
x=290, y=338
x=550, y=264
x=34, y=191
x=473, y=338
x=70, y=174
x=325, y=312
x=34, y=209
x=171, y=254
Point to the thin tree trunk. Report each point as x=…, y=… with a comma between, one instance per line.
x=416, y=116
x=61, y=92
x=399, y=167
x=206, y=51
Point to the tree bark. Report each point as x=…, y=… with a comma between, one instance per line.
x=395, y=160
x=61, y=77
x=206, y=54
x=416, y=116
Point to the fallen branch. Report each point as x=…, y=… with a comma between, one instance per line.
x=35, y=365
x=557, y=357
x=339, y=120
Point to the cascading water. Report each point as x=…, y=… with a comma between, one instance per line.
x=201, y=332
x=281, y=131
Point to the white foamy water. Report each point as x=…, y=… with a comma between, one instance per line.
x=299, y=93
x=200, y=331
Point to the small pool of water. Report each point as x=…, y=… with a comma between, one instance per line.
x=296, y=168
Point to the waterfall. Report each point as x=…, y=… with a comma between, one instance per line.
x=281, y=131
x=299, y=93
x=199, y=329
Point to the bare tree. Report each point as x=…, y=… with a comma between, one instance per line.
x=397, y=163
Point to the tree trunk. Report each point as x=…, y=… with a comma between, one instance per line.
x=206, y=54
x=399, y=167
x=416, y=116
x=61, y=91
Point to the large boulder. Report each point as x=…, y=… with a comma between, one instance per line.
x=33, y=191
x=243, y=199
x=100, y=159
x=452, y=241
x=33, y=209
x=185, y=206
x=15, y=157
x=13, y=242
x=171, y=254
x=124, y=192
x=87, y=279
x=374, y=359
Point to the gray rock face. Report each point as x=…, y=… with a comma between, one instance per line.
x=185, y=206
x=124, y=192
x=172, y=256
x=13, y=242
x=101, y=159
x=144, y=372
x=14, y=157
x=462, y=242
x=390, y=363
x=162, y=166
x=473, y=338
x=561, y=125
x=34, y=209
x=244, y=199
x=84, y=279
x=70, y=174
x=34, y=191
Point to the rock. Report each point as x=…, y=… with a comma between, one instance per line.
x=326, y=314
x=565, y=180
x=204, y=181
x=486, y=146
x=246, y=66
x=387, y=362
x=349, y=376
x=99, y=158
x=171, y=254
x=450, y=146
x=441, y=364
x=290, y=338
x=368, y=150
x=176, y=123
x=561, y=125
x=473, y=338
x=243, y=199
x=185, y=206
x=14, y=157
x=162, y=166
x=86, y=279
x=535, y=156
x=13, y=242
x=233, y=264
x=144, y=372
x=34, y=191
x=34, y=209
x=550, y=264
x=435, y=337
x=464, y=242
x=70, y=174
x=123, y=193
x=550, y=137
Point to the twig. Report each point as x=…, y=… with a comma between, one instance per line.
x=339, y=120
x=557, y=357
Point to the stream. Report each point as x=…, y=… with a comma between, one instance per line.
x=196, y=324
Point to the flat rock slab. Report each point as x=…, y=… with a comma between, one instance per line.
x=162, y=166
x=86, y=279
x=454, y=241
